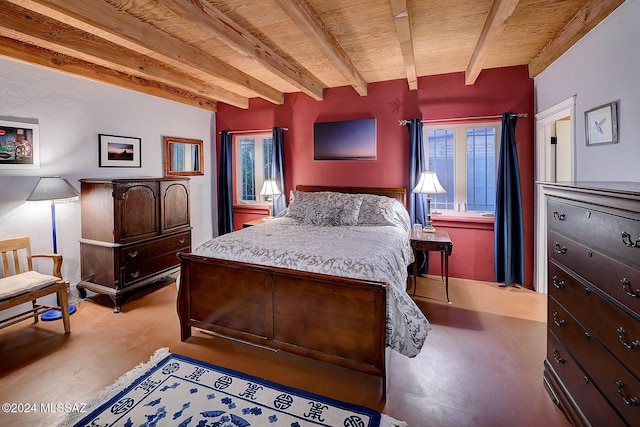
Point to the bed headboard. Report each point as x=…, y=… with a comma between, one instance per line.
x=399, y=194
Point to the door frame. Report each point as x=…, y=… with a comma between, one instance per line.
x=544, y=168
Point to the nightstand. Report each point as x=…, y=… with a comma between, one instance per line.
x=438, y=241
x=252, y=223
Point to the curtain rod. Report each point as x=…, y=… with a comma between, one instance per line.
x=453, y=119
x=252, y=130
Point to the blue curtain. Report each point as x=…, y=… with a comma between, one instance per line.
x=416, y=203
x=509, y=229
x=277, y=170
x=225, y=184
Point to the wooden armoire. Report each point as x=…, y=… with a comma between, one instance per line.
x=132, y=230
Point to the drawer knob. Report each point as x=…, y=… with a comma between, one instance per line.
x=560, y=249
x=627, y=400
x=626, y=287
x=134, y=275
x=633, y=346
x=559, y=216
x=558, y=283
x=627, y=240
x=133, y=254
x=556, y=356
x=559, y=323
x=181, y=241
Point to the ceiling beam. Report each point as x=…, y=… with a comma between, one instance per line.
x=100, y=18
x=38, y=30
x=220, y=26
x=589, y=15
x=308, y=20
x=402, y=21
x=496, y=22
x=17, y=50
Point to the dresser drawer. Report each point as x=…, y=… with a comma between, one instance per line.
x=615, y=329
x=136, y=272
x=153, y=248
x=610, y=232
x=614, y=381
x=620, y=282
x=585, y=394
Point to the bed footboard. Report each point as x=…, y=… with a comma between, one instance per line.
x=334, y=319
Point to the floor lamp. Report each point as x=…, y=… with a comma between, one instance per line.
x=428, y=184
x=55, y=190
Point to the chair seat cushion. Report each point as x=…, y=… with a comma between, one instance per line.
x=24, y=282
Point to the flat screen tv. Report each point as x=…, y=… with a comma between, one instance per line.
x=346, y=140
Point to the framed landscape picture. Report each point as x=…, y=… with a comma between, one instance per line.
x=119, y=151
x=19, y=145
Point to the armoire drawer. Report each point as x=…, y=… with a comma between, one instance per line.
x=615, y=329
x=138, y=271
x=150, y=249
x=583, y=391
x=611, y=233
x=617, y=280
x=619, y=386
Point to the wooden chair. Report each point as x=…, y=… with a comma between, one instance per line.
x=20, y=285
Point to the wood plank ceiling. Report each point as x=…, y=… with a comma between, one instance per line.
x=201, y=52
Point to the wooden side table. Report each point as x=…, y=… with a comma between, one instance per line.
x=438, y=241
x=252, y=223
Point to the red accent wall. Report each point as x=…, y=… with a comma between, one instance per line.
x=438, y=97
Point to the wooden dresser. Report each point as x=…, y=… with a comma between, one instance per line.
x=132, y=230
x=592, y=369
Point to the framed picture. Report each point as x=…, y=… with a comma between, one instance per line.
x=602, y=124
x=119, y=151
x=19, y=145
x=345, y=140
x=183, y=157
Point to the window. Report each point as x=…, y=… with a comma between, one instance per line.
x=253, y=165
x=465, y=159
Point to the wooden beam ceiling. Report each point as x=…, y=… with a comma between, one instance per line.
x=192, y=52
x=214, y=22
x=308, y=20
x=590, y=15
x=105, y=21
x=494, y=25
x=402, y=21
x=35, y=29
x=12, y=48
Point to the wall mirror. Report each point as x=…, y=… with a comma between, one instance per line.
x=183, y=157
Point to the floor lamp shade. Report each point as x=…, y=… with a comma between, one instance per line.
x=54, y=189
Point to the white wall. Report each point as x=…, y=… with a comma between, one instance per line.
x=600, y=68
x=71, y=112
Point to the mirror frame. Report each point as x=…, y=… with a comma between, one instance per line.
x=168, y=141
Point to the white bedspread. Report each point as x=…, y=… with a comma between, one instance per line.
x=377, y=253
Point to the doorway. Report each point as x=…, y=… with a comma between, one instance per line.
x=555, y=153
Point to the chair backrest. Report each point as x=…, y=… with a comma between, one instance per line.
x=12, y=251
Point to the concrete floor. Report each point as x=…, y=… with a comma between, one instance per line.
x=481, y=364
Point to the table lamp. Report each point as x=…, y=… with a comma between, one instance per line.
x=428, y=184
x=269, y=188
x=54, y=189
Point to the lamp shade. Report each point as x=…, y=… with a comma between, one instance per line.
x=429, y=184
x=53, y=189
x=269, y=188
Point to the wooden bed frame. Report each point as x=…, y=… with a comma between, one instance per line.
x=330, y=318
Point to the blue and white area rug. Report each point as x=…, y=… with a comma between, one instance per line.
x=174, y=390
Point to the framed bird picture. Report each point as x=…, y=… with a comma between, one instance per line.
x=601, y=124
